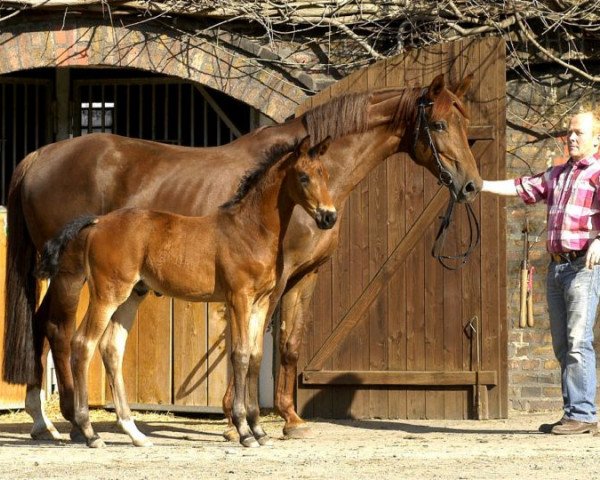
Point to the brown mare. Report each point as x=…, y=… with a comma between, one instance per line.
x=99, y=173
x=232, y=256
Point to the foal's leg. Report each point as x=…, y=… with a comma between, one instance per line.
x=82, y=348
x=256, y=337
x=54, y=320
x=294, y=306
x=240, y=358
x=112, y=348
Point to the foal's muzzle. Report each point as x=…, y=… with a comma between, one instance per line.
x=325, y=218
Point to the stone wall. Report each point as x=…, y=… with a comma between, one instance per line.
x=537, y=117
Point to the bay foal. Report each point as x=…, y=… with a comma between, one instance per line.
x=232, y=256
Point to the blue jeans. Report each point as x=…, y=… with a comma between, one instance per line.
x=572, y=293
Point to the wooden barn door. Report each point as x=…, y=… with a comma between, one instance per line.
x=390, y=335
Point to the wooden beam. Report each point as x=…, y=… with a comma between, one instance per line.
x=481, y=132
x=386, y=271
x=427, y=379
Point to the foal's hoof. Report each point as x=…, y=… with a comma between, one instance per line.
x=45, y=434
x=299, y=431
x=77, y=436
x=96, y=442
x=231, y=434
x=265, y=441
x=250, y=442
x=142, y=442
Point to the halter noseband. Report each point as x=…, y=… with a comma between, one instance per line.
x=445, y=178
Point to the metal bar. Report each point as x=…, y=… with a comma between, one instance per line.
x=141, y=102
x=90, y=124
x=193, y=116
x=102, y=109
x=179, y=113
x=166, y=115
x=114, y=110
x=25, y=121
x=4, y=112
x=169, y=408
x=218, y=110
x=153, y=112
x=205, y=126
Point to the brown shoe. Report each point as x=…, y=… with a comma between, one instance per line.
x=574, y=427
x=547, y=427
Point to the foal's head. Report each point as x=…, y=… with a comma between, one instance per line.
x=307, y=182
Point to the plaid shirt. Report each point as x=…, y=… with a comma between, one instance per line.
x=571, y=192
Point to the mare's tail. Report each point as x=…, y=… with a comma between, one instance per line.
x=53, y=249
x=21, y=286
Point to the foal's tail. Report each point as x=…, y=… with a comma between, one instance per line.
x=53, y=249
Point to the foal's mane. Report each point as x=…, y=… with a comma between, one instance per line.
x=252, y=177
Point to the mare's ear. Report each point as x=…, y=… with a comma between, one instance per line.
x=436, y=87
x=304, y=146
x=462, y=87
x=320, y=148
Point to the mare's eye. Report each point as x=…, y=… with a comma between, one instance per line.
x=304, y=178
x=440, y=126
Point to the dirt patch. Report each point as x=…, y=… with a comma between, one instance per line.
x=192, y=447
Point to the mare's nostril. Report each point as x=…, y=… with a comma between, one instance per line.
x=469, y=187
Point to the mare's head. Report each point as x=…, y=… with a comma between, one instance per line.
x=440, y=141
x=307, y=182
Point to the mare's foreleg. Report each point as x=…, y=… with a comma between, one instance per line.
x=294, y=306
x=82, y=348
x=240, y=358
x=112, y=349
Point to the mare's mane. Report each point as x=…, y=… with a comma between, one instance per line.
x=253, y=176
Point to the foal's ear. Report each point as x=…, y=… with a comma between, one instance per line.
x=320, y=148
x=304, y=146
x=462, y=87
x=436, y=87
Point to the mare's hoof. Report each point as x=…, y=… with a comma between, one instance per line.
x=250, y=442
x=231, y=434
x=96, y=442
x=298, y=431
x=77, y=436
x=265, y=441
x=46, y=434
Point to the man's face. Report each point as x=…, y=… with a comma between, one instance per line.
x=581, y=140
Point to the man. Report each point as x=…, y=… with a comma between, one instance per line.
x=572, y=193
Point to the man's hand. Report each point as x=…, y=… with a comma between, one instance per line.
x=593, y=254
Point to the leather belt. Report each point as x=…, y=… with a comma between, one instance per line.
x=567, y=256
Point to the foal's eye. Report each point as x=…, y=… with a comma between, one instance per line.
x=304, y=178
x=440, y=126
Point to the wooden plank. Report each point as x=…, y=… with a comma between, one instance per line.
x=396, y=287
x=218, y=365
x=411, y=378
x=190, y=353
x=155, y=351
x=359, y=271
x=377, y=326
x=368, y=295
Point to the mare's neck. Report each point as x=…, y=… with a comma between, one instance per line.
x=350, y=159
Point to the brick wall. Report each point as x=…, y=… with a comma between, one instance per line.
x=537, y=116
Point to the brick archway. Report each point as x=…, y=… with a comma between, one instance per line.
x=208, y=61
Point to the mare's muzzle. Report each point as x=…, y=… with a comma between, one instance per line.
x=325, y=218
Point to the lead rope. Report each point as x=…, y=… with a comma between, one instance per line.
x=445, y=178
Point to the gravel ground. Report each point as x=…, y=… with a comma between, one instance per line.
x=192, y=447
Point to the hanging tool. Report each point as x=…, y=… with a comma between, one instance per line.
x=527, y=270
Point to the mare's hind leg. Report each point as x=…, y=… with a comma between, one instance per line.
x=112, y=348
x=240, y=358
x=256, y=328
x=82, y=348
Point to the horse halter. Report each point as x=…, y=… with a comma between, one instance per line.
x=445, y=178
x=444, y=175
